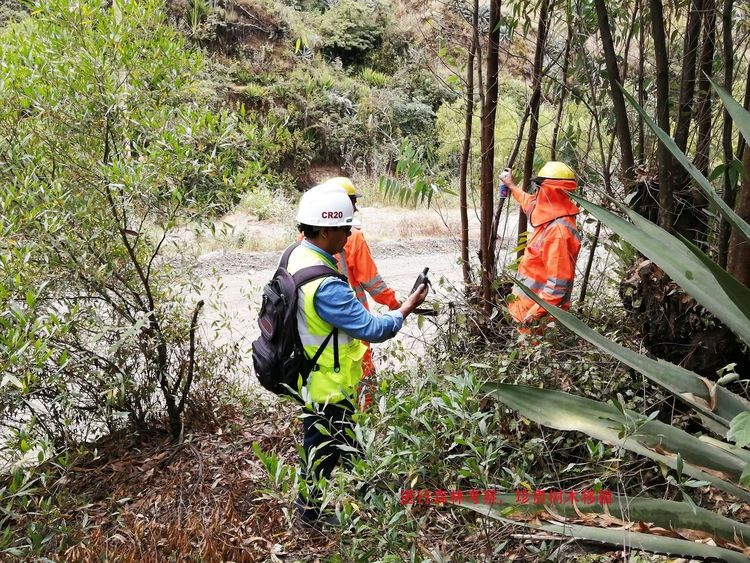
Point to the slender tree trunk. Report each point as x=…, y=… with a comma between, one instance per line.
x=487, y=175
x=692, y=221
x=687, y=80
x=564, y=88
x=510, y=163
x=726, y=136
x=622, y=126
x=703, y=116
x=536, y=97
x=466, y=151
x=664, y=157
x=741, y=143
x=738, y=258
x=589, y=263
x=641, y=89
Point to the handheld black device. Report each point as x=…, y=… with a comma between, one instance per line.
x=421, y=278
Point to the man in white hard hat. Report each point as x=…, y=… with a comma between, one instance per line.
x=325, y=218
x=357, y=264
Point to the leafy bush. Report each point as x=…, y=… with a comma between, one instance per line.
x=374, y=78
x=350, y=29
x=707, y=460
x=102, y=157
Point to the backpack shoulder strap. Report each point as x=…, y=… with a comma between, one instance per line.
x=284, y=262
x=310, y=273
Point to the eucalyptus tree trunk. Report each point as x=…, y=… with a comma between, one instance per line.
x=536, y=97
x=726, y=133
x=692, y=221
x=641, y=88
x=738, y=256
x=687, y=79
x=466, y=150
x=664, y=157
x=489, y=109
x=622, y=126
x=703, y=115
x=564, y=87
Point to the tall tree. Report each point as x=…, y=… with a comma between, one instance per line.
x=622, y=126
x=489, y=110
x=564, y=86
x=664, y=157
x=534, y=103
x=687, y=79
x=703, y=115
x=641, y=86
x=726, y=133
x=466, y=148
x=738, y=258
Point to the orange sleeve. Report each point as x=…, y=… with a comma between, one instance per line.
x=559, y=266
x=368, y=277
x=524, y=200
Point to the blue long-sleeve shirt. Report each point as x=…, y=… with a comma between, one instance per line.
x=336, y=303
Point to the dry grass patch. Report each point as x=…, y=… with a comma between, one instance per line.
x=202, y=500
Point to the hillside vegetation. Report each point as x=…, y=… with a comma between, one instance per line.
x=129, y=130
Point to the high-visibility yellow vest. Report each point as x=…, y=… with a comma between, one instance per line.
x=324, y=384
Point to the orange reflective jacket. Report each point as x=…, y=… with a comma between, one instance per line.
x=548, y=263
x=357, y=264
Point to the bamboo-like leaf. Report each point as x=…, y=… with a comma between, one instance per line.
x=631, y=431
x=735, y=220
x=714, y=288
x=617, y=536
x=739, y=115
x=683, y=383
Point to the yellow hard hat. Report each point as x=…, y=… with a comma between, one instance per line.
x=557, y=171
x=345, y=183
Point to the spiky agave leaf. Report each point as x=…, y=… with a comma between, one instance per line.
x=629, y=430
x=613, y=536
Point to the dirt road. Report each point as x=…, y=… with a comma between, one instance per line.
x=402, y=241
x=401, y=250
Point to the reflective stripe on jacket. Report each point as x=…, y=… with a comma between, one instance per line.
x=548, y=263
x=356, y=263
x=324, y=384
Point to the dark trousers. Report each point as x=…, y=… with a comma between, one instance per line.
x=321, y=447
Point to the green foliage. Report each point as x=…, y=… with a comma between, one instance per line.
x=739, y=430
x=413, y=181
x=374, y=78
x=449, y=128
x=105, y=153
x=711, y=461
x=265, y=204
x=350, y=28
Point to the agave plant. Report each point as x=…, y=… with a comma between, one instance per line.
x=641, y=522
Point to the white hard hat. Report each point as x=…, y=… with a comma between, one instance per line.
x=325, y=206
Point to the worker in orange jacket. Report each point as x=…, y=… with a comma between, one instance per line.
x=356, y=262
x=548, y=264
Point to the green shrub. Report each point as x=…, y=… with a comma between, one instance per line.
x=265, y=203
x=102, y=157
x=350, y=29
x=374, y=78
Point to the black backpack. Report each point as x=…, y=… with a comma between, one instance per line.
x=278, y=356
